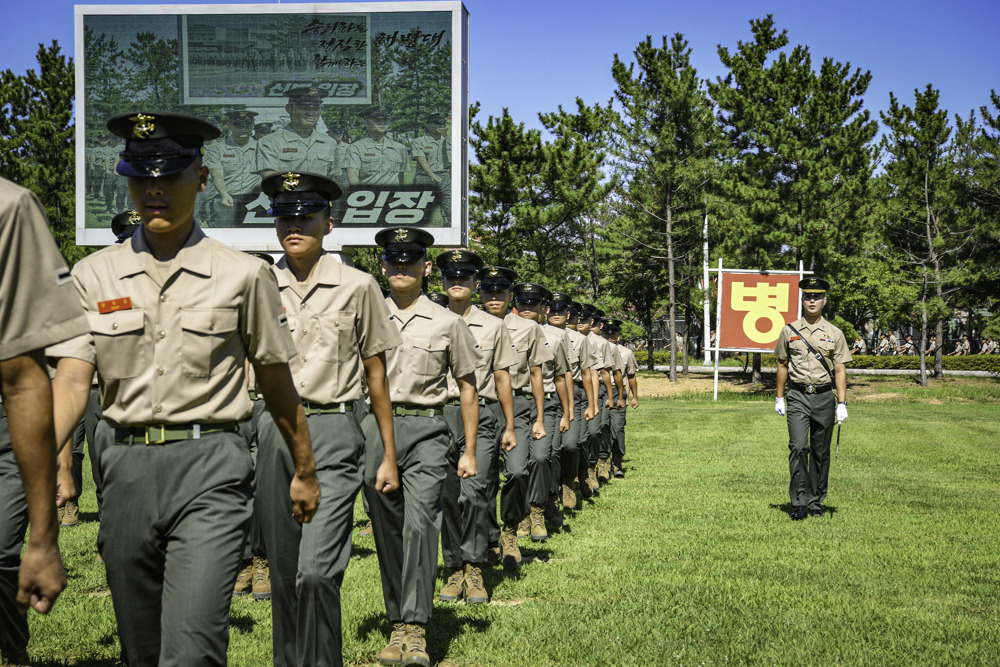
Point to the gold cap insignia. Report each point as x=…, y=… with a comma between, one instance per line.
x=144, y=125
x=494, y=273
x=456, y=256
x=401, y=235
x=133, y=218
x=291, y=181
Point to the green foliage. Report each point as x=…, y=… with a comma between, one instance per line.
x=974, y=362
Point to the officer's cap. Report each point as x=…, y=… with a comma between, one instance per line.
x=404, y=243
x=612, y=326
x=813, y=285
x=575, y=309
x=559, y=301
x=586, y=312
x=597, y=315
x=459, y=263
x=262, y=255
x=263, y=127
x=436, y=119
x=495, y=278
x=159, y=143
x=378, y=113
x=439, y=298
x=306, y=96
x=125, y=223
x=241, y=117
x=298, y=193
x=530, y=293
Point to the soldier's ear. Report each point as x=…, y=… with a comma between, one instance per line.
x=428, y=267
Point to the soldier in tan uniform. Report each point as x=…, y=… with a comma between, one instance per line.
x=599, y=455
x=816, y=396
x=531, y=302
x=376, y=159
x=465, y=528
x=341, y=329
x=612, y=332
x=39, y=308
x=615, y=395
x=173, y=316
x=432, y=153
x=232, y=163
x=299, y=146
x=524, y=468
x=406, y=522
x=582, y=362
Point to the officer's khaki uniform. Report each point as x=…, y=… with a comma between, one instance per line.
x=618, y=416
x=810, y=403
x=285, y=150
x=558, y=366
x=574, y=439
x=524, y=468
x=600, y=441
x=238, y=166
x=466, y=503
x=38, y=307
x=337, y=319
x=436, y=153
x=406, y=522
x=378, y=163
x=175, y=515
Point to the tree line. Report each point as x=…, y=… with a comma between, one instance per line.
x=609, y=200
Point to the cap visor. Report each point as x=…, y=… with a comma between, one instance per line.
x=154, y=167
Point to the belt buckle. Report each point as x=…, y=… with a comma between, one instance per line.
x=811, y=389
x=163, y=435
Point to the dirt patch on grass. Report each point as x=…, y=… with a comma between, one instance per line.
x=877, y=397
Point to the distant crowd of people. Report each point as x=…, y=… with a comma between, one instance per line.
x=889, y=345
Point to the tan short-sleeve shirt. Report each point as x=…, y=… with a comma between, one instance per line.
x=169, y=342
x=628, y=359
x=599, y=347
x=496, y=352
x=803, y=367
x=559, y=365
x=434, y=342
x=584, y=359
x=285, y=150
x=337, y=319
x=38, y=305
x=532, y=347
x=237, y=163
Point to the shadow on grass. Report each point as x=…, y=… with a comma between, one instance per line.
x=241, y=621
x=445, y=625
x=828, y=510
x=361, y=552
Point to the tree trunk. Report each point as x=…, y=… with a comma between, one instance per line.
x=939, y=332
x=923, y=333
x=687, y=337
x=673, y=291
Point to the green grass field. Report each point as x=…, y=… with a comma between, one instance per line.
x=692, y=559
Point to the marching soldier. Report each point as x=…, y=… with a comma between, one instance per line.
x=812, y=378
x=601, y=385
x=406, y=522
x=299, y=146
x=342, y=331
x=610, y=374
x=466, y=502
x=173, y=315
x=612, y=331
x=376, y=159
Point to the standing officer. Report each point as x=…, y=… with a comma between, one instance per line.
x=531, y=303
x=811, y=356
x=376, y=159
x=39, y=308
x=466, y=502
x=407, y=522
x=584, y=398
x=342, y=331
x=231, y=162
x=432, y=153
x=173, y=316
x=299, y=146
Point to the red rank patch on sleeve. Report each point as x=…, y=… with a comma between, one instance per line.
x=795, y=338
x=105, y=307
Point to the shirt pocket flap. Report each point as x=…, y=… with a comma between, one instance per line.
x=117, y=323
x=210, y=320
x=431, y=344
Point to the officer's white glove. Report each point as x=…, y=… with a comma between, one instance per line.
x=841, y=412
x=779, y=405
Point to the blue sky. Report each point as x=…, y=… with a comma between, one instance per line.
x=533, y=56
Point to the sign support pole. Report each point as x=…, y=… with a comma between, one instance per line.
x=718, y=332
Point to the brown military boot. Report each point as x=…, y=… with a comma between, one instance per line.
x=592, y=481
x=475, y=590
x=392, y=654
x=508, y=543
x=71, y=514
x=494, y=555
x=568, y=497
x=367, y=531
x=524, y=528
x=585, y=491
x=415, y=646
x=452, y=590
x=552, y=513
x=538, y=531
x=603, y=471
x=244, y=580
x=261, y=579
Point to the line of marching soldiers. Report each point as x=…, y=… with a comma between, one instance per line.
x=421, y=408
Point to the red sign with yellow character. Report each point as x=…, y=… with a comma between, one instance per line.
x=755, y=307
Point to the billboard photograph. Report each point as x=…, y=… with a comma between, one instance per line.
x=373, y=96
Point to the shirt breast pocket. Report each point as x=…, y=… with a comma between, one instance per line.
x=120, y=343
x=208, y=336
x=430, y=356
x=339, y=342
x=484, y=355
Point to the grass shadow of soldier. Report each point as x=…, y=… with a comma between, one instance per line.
x=828, y=510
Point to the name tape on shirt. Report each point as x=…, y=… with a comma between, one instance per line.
x=282, y=320
x=795, y=338
x=63, y=276
x=105, y=307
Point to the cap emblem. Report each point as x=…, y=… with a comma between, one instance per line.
x=494, y=273
x=291, y=181
x=144, y=125
x=133, y=218
x=456, y=256
x=401, y=235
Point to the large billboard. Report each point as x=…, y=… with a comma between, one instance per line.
x=754, y=307
x=372, y=95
